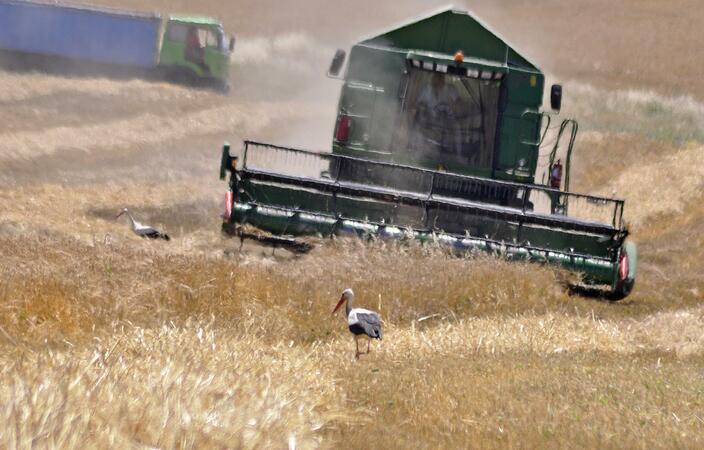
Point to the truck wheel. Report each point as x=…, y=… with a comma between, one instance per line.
x=181, y=75
x=190, y=78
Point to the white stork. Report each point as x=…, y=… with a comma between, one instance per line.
x=144, y=231
x=362, y=322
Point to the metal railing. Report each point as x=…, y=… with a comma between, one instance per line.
x=439, y=187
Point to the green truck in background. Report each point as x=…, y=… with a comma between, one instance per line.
x=68, y=37
x=196, y=49
x=438, y=137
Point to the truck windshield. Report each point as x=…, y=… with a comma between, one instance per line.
x=449, y=119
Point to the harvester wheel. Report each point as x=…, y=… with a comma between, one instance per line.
x=623, y=289
x=626, y=273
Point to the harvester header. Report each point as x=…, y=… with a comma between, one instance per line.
x=438, y=137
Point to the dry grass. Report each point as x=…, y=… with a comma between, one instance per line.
x=167, y=387
x=122, y=344
x=112, y=342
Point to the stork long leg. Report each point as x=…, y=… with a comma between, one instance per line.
x=356, y=344
x=369, y=345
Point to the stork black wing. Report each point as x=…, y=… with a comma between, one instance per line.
x=371, y=324
x=155, y=234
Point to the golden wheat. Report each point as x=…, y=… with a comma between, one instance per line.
x=109, y=341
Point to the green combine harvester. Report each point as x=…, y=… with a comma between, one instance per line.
x=438, y=138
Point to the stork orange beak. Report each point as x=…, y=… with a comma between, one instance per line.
x=342, y=300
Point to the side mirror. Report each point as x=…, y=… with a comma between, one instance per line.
x=337, y=62
x=556, y=97
x=232, y=44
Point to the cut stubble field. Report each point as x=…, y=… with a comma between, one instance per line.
x=110, y=341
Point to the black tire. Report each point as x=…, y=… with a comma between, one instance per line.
x=623, y=289
x=181, y=75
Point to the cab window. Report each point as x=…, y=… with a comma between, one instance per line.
x=211, y=39
x=450, y=118
x=206, y=37
x=177, y=32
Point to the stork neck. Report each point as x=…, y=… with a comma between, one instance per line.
x=134, y=224
x=348, y=306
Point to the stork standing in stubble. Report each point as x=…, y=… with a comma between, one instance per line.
x=141, y=230
x=362, y=322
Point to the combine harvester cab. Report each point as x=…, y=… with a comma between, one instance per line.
x=437, y=137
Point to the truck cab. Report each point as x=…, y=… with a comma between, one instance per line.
x=442, y=93
x=196, y=48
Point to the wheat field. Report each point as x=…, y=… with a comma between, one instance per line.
x=108, y=341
